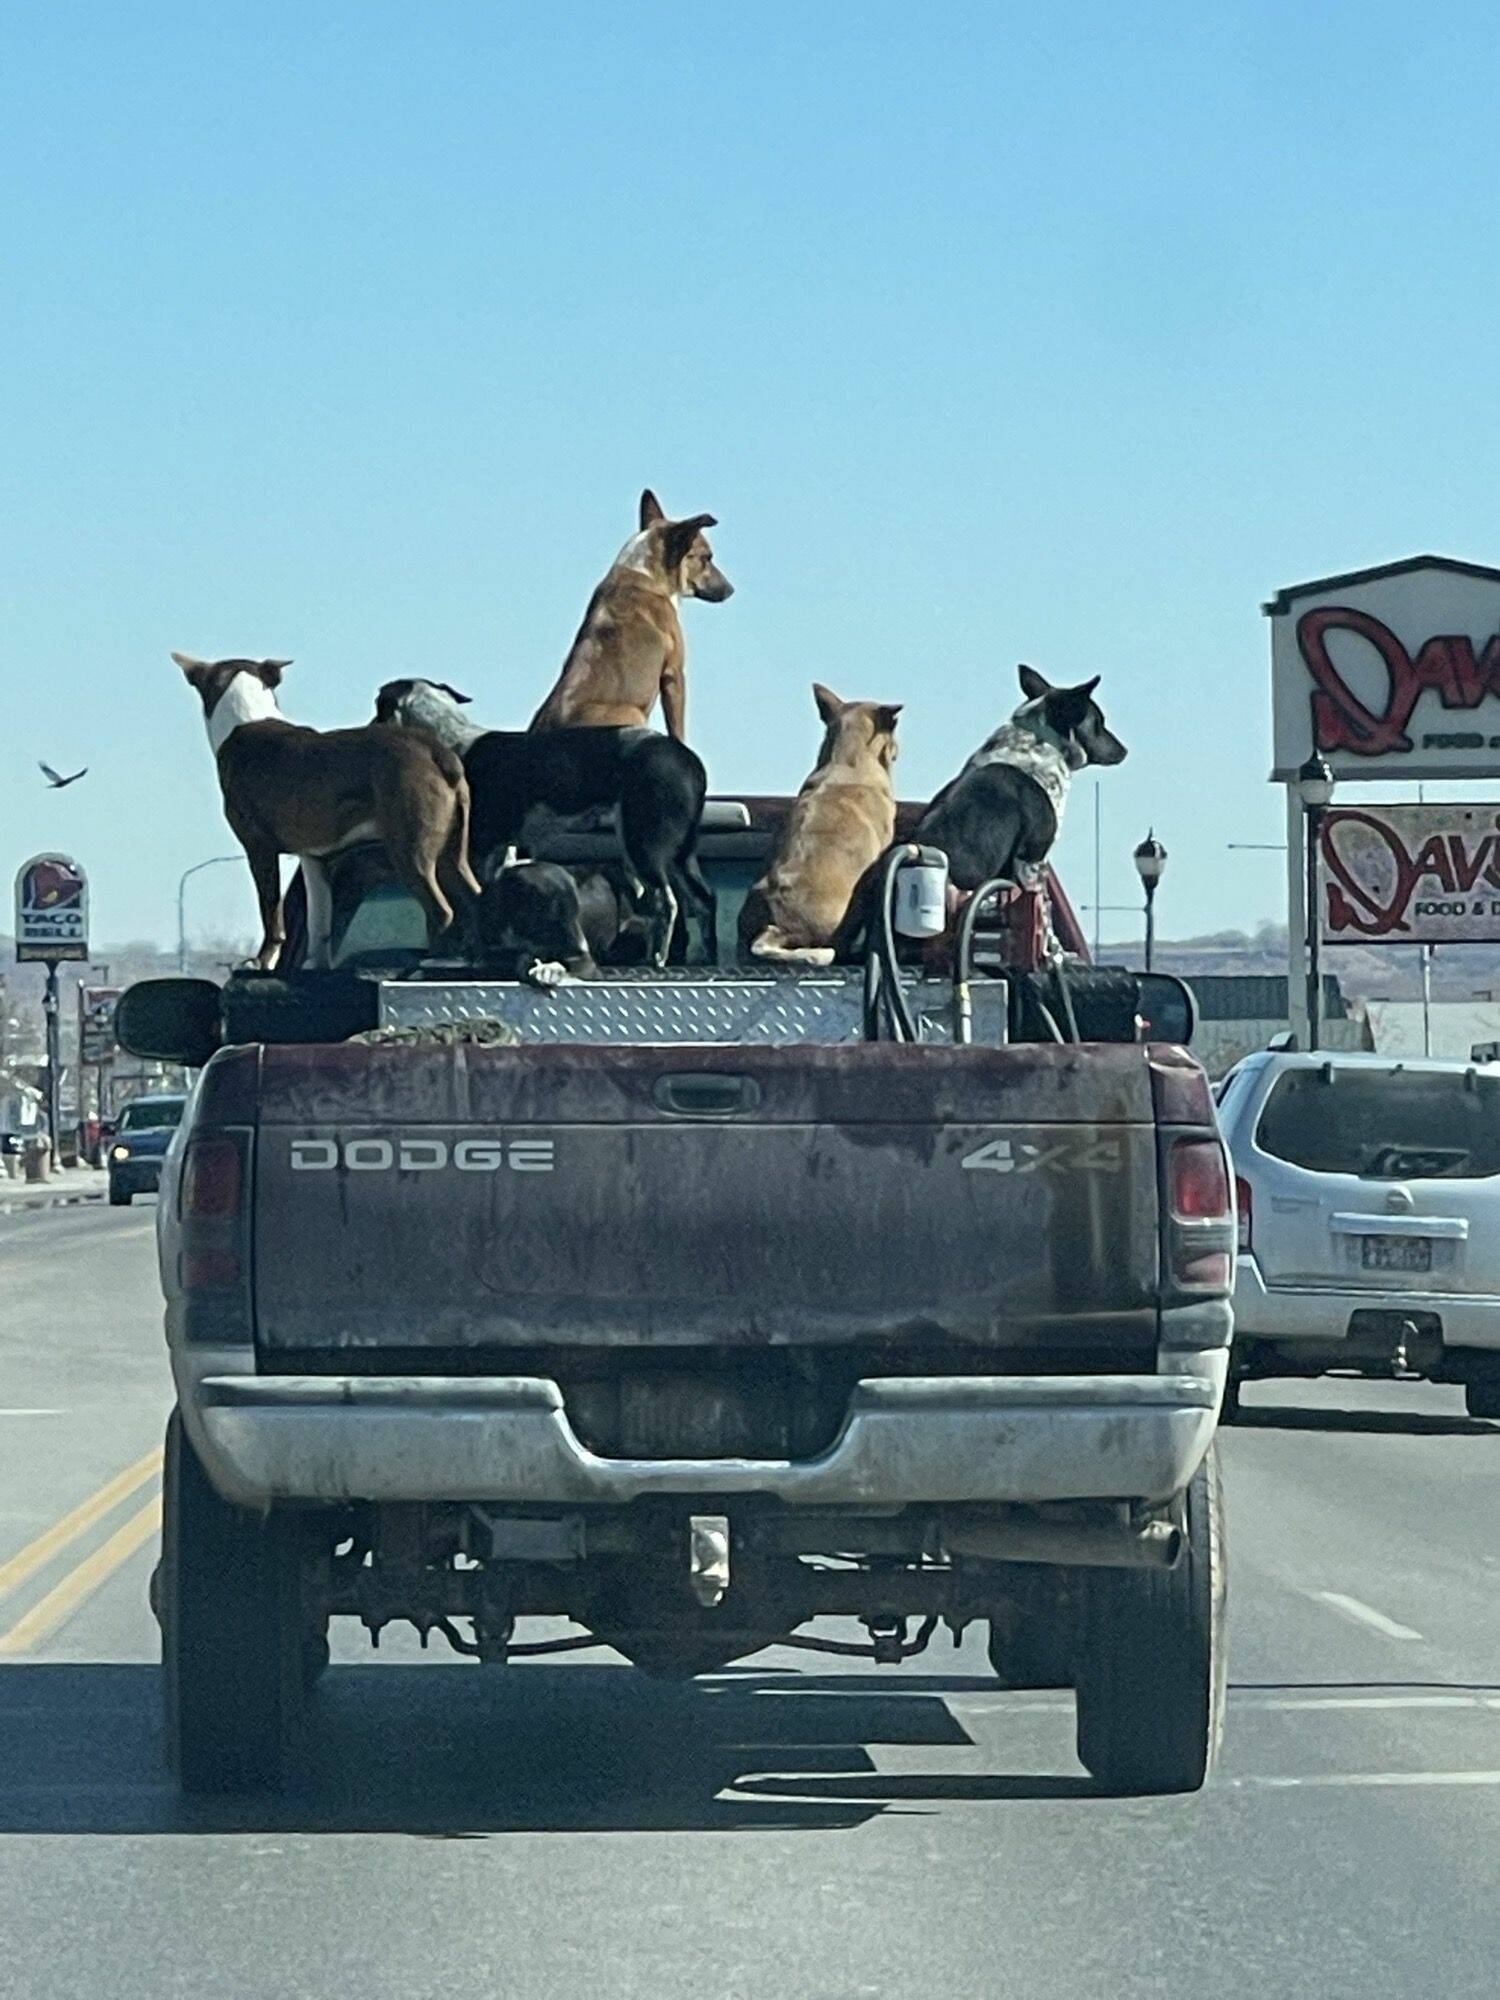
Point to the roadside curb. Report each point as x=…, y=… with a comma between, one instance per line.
x=50, y=1198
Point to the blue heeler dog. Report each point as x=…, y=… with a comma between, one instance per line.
x=1000, y=815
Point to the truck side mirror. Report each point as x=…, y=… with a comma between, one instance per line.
x=1169, y=1008
x=170, y=1020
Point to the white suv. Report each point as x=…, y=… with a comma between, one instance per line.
x=1368, y=1192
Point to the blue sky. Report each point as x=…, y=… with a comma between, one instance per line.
x=990, y=333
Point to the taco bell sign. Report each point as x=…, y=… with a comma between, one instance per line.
x=52, y=909
x=1388, y=673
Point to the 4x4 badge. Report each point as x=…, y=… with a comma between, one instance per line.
x=1067, y=1156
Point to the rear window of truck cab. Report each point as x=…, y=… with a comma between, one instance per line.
x=1384, y=1124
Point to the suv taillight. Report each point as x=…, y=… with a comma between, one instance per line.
x=1245, y=1206
x=1199, y=1232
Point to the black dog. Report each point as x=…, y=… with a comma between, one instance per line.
x=1000, y=815
x=656, y=784
x=535, y=914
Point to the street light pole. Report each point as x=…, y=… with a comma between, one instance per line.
x=1150, y=864
x=213, y=861
x=1315, y=783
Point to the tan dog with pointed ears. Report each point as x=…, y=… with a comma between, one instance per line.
x=630, y=647
x=312, y=793
x=841, y=822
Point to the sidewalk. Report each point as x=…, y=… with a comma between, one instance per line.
x=66, y=1188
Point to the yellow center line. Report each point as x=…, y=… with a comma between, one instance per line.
x=80, y=1584
x=40, y=1552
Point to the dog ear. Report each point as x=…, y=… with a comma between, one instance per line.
x=452, y=692
x=829, y=705
x=652, y=510
x=1033, y=684
x=194, y=669
x=1067, y=708
x=271, y=671
x=886, y=713
x=681, y=535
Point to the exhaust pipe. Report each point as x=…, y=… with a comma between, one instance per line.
x=1028, y=1538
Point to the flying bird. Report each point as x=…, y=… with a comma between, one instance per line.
x=55, y=778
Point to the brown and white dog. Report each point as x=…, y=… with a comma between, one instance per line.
x=312, y=793
x=630, y=647
x=840, y=824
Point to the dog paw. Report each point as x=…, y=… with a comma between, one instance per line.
x=547, y=974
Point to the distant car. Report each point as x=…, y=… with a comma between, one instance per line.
x=142, y=1136
x=1368, y=1195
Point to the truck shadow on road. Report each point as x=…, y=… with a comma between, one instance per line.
x=1384, y=1423
x=453, y=1751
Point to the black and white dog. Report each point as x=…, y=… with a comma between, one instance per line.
x=538, y=920
x=1001, y=814
x=655, y=784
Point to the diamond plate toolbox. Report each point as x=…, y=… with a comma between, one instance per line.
x=668, y=1009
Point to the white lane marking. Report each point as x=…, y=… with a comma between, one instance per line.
x=1364, y=1614
x=1332, y=1780
x=1469, y=1701
x=1261, y=1704
x=31, y=1413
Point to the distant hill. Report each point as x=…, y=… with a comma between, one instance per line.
x=1365, y=972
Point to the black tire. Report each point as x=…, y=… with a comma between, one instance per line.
x=1152, y=1668
x=118, y=1197
x=1033, y=1638
x=232, y=1632
x=1229, y=1411
x=1482, y=1399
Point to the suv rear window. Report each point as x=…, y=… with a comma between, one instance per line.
x=151, y=1113
x=1385, y=1125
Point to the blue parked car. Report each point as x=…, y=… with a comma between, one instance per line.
x=139, y=1146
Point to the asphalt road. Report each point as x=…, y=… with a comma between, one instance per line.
x=794, y=1828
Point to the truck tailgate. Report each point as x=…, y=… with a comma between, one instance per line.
x=468, y=1198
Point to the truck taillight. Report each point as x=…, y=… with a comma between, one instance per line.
x=211, y=1180
x=1200, y=1181
x=1244, y=1206
x=1200, y=1207
x=210, y=1208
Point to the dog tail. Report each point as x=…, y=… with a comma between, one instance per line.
x=773, y=944
x=459, y=882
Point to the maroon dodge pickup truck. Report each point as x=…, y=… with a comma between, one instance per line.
x=693, y=1306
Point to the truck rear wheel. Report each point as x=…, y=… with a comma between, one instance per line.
x=232, y=1633
x=1033, y=1639
x=1152, y=1666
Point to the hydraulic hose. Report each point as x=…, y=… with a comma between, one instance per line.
x=883, y=990
x=963, y=958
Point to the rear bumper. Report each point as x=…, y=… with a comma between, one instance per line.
x=1282, y=1314
x=1025, y=1439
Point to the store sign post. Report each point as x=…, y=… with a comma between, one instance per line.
x=52, y=910
x=52, y=923
x=1381, y=674
x=1390, y=672
x=96, y=1023
x=1411, y=874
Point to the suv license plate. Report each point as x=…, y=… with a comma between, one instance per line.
x=1397, y=1253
